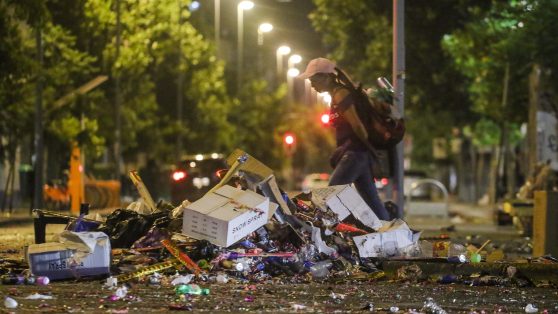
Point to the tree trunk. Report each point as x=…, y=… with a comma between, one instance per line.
x=11, y=186
x=511, y=171
x=480, y=171
x=534, y=82
x=474, y=180
x=6, y=188
x=493, y=176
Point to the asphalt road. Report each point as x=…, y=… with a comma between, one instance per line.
x=279, y=295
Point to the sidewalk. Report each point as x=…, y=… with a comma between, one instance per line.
x=464, y=219
x=21, y=216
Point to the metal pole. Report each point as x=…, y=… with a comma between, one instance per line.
x=399, y=86
x=239, y=50
x=279, y=59
x=39, y=145
x=179, y=89
x=117, y=100
x=217, y=25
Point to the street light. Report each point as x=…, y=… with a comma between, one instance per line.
x=263, y=28
x=294, y=59
x=281, y=51
x=241, y=7
x=291, y=74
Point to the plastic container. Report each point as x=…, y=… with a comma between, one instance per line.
x=456, y=249
x=320, y=269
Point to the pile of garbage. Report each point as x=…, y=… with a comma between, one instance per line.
x=246, y=229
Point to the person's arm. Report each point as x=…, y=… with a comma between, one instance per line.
x=350, y=114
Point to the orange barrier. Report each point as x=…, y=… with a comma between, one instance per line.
x=102, y=193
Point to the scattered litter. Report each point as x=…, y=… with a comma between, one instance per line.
x=182, y=280
x=37, y=296
x=10, y=303
x=530, y=308
x=432, y=307
x=253, y=232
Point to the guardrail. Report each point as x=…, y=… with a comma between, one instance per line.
x=428, y=208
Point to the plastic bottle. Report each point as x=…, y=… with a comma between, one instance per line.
x=191, y=289
x=42, y=281
x=12, y=279
x=456, y=249
x=320, y=269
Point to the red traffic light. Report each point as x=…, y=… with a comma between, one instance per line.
x=325, y=118
x=289, y=139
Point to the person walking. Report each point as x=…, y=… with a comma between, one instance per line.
x=353, y=158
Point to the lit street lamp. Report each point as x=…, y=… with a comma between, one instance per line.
x=263, y=28
x=291, y=74
x=281, y=51
x=294, y=59
x=241, y=7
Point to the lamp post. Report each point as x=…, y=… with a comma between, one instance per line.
x=263, y=28
x=291, y=74
x=243, y=5
x=399, y=86
x=281, y=51
x=217, y=24
x=293, y=59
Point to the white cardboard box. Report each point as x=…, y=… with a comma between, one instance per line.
x=226, y=216
x=77, y=254
x=345, y=200
x=389, y=241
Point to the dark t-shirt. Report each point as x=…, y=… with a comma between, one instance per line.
x=344, y=133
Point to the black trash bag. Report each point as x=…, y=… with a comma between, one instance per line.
x=204, y=250
x=124, y=227
x=153, y=237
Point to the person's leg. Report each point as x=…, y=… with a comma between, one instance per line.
x=347, y=169
x=355, y=167
x=365, y=185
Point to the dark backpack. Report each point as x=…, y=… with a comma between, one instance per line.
x=381, y=119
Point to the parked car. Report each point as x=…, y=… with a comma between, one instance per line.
x=409, y=178
x=195, y=175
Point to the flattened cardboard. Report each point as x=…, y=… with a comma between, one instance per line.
x=345, y=200
x=389, y=241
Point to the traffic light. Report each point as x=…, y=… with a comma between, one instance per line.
x=289, y=142
x=325, y=119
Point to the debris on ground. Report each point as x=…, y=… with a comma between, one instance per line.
x=247, y=230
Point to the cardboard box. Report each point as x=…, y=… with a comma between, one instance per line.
x=77, y=254
x=389, y=241
x=225, y=216
x=345, y=200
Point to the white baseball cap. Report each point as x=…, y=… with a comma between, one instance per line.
x=319, y=65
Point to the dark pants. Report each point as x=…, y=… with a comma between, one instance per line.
x=356, y=167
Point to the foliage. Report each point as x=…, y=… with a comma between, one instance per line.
x=359, y=34
x=258, y=115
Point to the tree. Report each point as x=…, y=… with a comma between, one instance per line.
x=359, y=34
x=495, y=52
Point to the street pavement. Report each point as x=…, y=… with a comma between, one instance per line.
x=282, y=294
